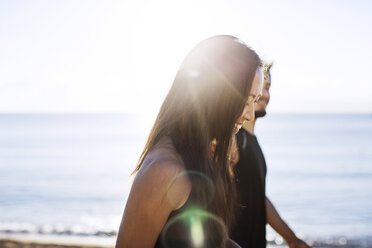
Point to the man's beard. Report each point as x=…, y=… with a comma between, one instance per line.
x=260, y=113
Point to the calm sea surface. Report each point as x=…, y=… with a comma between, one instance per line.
x=68, y=175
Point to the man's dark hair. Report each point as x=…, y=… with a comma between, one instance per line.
x=266, y=67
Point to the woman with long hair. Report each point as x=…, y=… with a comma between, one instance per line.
x=183, y=194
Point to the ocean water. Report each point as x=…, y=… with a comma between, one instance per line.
x=68, y=176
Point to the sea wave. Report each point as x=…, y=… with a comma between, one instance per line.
x=54, y=229
x=79, y=234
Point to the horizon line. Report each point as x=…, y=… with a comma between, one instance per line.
x=133, y=113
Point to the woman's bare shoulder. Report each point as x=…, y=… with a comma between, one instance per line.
x=165, y=151
x=157, y=188
x=164, y=170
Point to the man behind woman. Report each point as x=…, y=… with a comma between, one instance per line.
x=184, y=170
x=255, y=210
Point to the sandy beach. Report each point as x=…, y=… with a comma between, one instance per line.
x=7, y=243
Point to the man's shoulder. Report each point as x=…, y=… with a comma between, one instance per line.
x=244, y=131
x=245, y=138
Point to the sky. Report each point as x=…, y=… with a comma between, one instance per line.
x=89, y=56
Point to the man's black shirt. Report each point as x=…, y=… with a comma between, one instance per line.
x=250, y=172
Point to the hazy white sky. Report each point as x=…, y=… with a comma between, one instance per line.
x=121, y=56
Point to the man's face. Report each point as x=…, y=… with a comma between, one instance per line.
x=249, y=108
x=260, y=108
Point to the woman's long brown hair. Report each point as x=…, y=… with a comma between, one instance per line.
x=207, y=97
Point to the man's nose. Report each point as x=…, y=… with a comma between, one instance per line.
x=265, y=93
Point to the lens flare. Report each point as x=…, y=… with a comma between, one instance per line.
x=197, y=233
x=193, y=179
x=194, y=228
